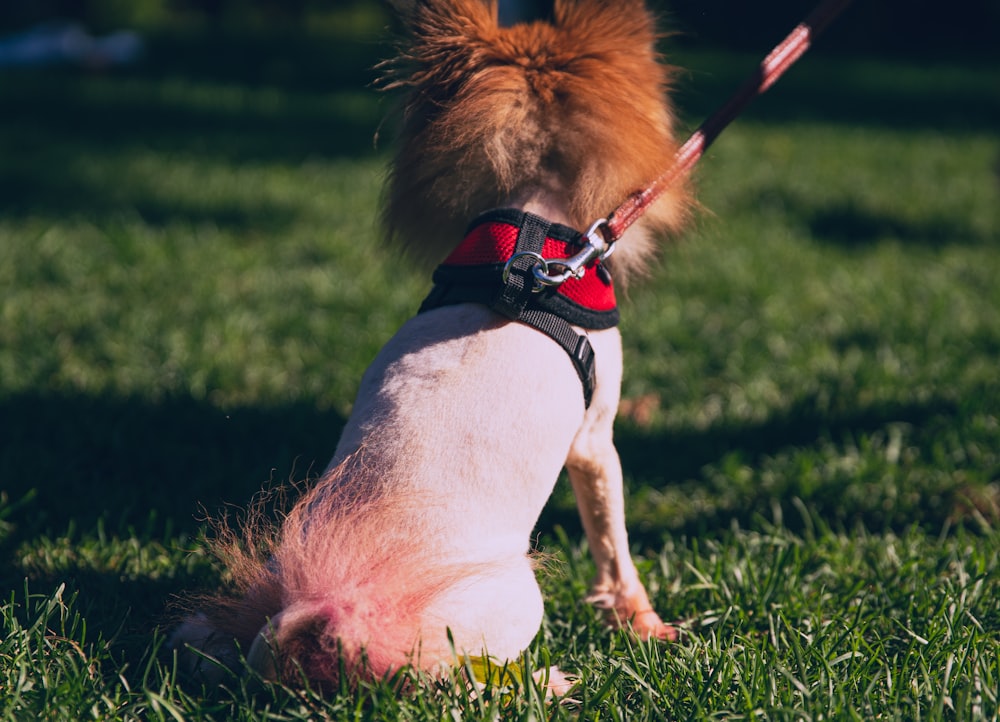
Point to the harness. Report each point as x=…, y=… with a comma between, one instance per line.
x=504, y=263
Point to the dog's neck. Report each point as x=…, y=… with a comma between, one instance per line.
x=541, y=204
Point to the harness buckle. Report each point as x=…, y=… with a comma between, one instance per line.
x=596, y=248
x=540, y=263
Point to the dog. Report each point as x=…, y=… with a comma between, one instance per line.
x=412, y=549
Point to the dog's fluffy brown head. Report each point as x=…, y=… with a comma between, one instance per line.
x=571, y=113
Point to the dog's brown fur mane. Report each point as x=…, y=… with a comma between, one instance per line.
x=571, y=113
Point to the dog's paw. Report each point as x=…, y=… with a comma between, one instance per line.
x=646, y=624
x=555, y=682
x=633, y=612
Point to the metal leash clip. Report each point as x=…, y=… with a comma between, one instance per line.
x=596, y=248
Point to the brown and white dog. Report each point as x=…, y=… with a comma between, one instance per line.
x=414, y=544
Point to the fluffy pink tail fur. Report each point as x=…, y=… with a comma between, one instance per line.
x=342, y=586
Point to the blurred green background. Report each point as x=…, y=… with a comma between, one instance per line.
x=925, y=27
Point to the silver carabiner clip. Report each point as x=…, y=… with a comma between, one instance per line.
x=593, y=234
x=596, y=248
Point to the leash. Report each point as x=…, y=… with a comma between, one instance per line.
x=603, y=233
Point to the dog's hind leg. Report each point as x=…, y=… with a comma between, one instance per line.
x=494, y=611
x=596, y=475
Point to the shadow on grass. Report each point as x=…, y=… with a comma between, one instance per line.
x=141, y=465
x=72, y=194
x=230, y=100
x=682, y=455
x=839, y=88
x=234, y=124
x=127, y=614
x=131, y=467
x=851, y=226
x=676, y=461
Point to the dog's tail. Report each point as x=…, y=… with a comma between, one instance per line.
x=341, y=589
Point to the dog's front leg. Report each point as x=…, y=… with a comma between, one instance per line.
x=597, y=483
x=595, y=472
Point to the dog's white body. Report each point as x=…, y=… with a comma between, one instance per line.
x=474, y=416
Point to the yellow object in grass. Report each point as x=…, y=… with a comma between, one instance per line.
x=489, y=672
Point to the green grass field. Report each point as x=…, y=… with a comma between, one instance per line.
x=191, y=287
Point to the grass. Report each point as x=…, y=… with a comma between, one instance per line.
x=190, y=290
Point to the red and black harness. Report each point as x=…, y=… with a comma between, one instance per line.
x=497, y=265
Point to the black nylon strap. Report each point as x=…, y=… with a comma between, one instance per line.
x=515, y=295
x=576, y=345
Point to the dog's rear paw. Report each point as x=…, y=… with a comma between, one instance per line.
x=554, y=681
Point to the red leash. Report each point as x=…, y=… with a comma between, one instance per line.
x=771, y=68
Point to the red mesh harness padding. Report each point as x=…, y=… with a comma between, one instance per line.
x=492, y=240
